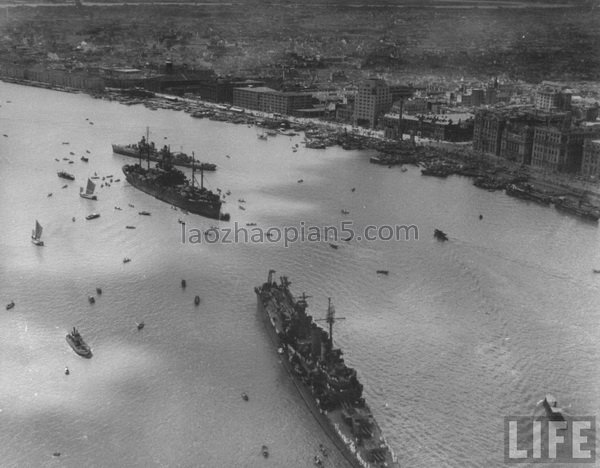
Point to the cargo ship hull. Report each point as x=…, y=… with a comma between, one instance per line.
x=207, y=208
x=362, y=451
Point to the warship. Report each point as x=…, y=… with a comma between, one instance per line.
x=170, y=185
x=330, y=389
x=148, y=149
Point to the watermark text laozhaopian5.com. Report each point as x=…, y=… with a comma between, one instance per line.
x=288, y=235
x=531, y=440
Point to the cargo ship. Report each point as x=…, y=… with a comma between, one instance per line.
x=330, y=389
x=577, y=208
x=170, y=185
x=527, y=192
x=148, y=150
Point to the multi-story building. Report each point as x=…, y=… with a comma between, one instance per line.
x=372, y=101
x=552, y=98
x=487, y=131
x=590, y=164
x=559, y=149
x=516, y=143
x=446, y=127
x=269, y=100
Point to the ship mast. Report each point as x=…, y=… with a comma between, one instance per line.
x=148, y=145
x=193, y=171
x=330, y=319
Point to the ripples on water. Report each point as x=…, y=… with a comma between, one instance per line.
x=457, y=336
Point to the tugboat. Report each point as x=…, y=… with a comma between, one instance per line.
x=79, y=346
x=440, y=235
x=170, y=185
x=65, y=175
x=329, y=387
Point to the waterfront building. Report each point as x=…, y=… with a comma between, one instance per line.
x=590, y=164
x=266, y=99
x=372, y=101
x=445, y=127
x=487, y=131
x=561, y=150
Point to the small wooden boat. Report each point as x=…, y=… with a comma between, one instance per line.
x=144, y=213
x=595, y=270
x=197, y=300
x=183, y=283
x=10, y=305
x=345, y=212
x=333, y=246
x=91, y=299
x=139, y=325
x=300, y=181
x=98, y=291
x=265, y=451
x=129, y=227
x=382, y=272
x=245, y=396
x=126, y=260
x=36, y=234
x=92, y=216
x=440, y=235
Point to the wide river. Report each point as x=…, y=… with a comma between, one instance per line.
x=457, y=336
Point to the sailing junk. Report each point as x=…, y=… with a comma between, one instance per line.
x=89, y=191
x=36, y=234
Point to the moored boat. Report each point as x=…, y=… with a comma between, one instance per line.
x=330, y=389
x=65, y=175
x=170, y=185
x=76, y=342
x=148, y=150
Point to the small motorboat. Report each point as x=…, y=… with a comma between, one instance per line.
x=139, y=325
x=92, y=216
x=131, y=205
x=84, y=159
x=50, y=194
x=440, y=235
x=71, y=153
x=265, y=451
x=56, y=454
x=241, y=200
x=197, y=300
x=126, y=260
x=382, y=272
x=300, y=181
x=144, y=213
x=118, y=208
x=10, y=305
x=129, y=227
x=65, y=186
x=245, y=396
x=67, y=371
x=333, y=246
x=183, y=283
x=92, y=299
x=241, y=207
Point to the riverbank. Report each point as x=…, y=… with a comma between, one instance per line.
x=437, y=158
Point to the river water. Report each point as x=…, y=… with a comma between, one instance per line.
x=456, y=337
